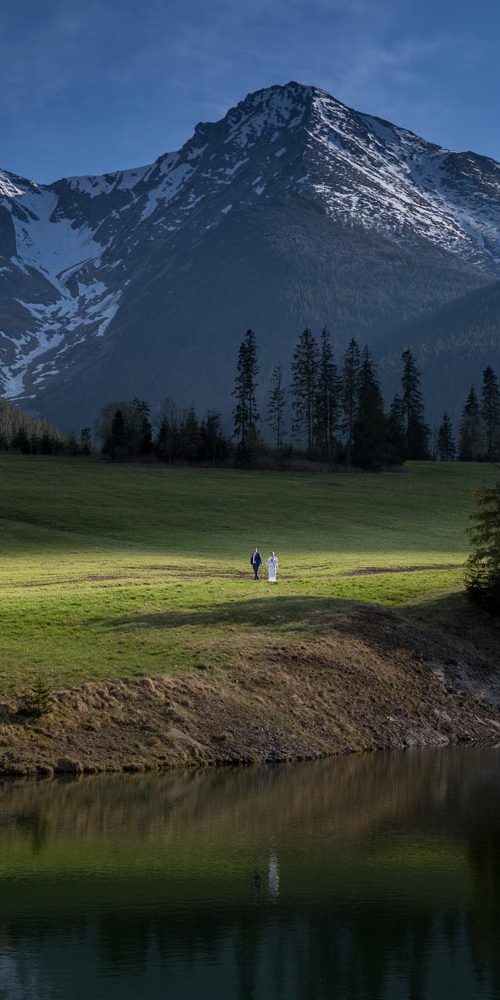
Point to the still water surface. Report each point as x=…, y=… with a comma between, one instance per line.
x=365, y=877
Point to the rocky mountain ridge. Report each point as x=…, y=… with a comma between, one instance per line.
x=291, y=202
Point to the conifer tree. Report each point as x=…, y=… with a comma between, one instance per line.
x=117, y=443
x=445, y=441
x=396, y=434
x=189, y=436
x=349, y=394
x=167, y=440
x=86, y=440
x=45, y=444
x=490, y=412
x=370, y=426
x=246, y=415
x=416, y=429
x=327, y=402
x=72, y=445
x=471, y=439
x=213, y=443
x=482, y=577
x=141, y=432
x=304, y=386
x=21, y=442
x=276, y=407
x=25, y=433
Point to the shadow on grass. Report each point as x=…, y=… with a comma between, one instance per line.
x=458, y=619
x=448, y=625
x=298, y=611
x=272, y=611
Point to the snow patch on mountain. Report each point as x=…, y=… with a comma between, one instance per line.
x=276, y=107
x=96, y=186
x=50, y=244
x=81, y=242
x=28, y=347
x=396, y=182
x=12, y=186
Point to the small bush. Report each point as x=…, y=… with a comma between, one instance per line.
x=39, y=701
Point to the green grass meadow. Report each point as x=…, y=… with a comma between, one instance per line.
x=119, y=570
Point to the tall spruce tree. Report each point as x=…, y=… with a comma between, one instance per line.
x=396, y=433
x=349, y=395
x=118, y=437
x=213, y=443
x=142, y=432
x=189, y=436
x=327, y=401
x=304, y=386
x=490, y=412
x=86, y=440
x=416, y=429
x=482, y=575
x=277, y=406
x=21, y=442
x=167, y=441
x=370, y=426
x=471, y=435
x=446, y=447
x=246, y=416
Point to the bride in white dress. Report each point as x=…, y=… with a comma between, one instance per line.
x=272, y=568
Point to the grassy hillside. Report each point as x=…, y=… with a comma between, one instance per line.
x=118, y=570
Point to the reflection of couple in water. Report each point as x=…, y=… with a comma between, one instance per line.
x=272, y=565
x=273, y=877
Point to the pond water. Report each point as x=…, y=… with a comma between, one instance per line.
x=375, y=877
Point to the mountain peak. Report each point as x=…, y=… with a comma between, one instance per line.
x=74, y=253
x=278, y=106
x=11, y=186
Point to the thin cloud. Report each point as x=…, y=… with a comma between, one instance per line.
x=102, y=84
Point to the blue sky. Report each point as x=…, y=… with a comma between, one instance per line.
x=93, y=85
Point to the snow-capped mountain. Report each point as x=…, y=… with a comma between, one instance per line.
x=292, y=210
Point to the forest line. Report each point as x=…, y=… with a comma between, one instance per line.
x=322, y=411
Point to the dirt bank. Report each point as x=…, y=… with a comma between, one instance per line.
x=374, y=679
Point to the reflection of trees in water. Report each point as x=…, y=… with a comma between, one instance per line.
x=344, y=796
x=277, y=940
x=36, y=825
x=346, y=952
x=484, y=857
x=31, y=954
x=352, y=954
x=20, y=977
x=121, y=935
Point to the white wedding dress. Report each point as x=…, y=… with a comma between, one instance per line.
x=272, y=569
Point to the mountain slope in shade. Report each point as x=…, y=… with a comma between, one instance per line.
x=452, y=347
x=291, y=210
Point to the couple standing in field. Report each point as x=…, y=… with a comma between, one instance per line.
x=272, y=565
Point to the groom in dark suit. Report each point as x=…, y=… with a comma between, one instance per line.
x=256, y=561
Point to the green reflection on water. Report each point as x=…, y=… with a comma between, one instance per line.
x=374, y=876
